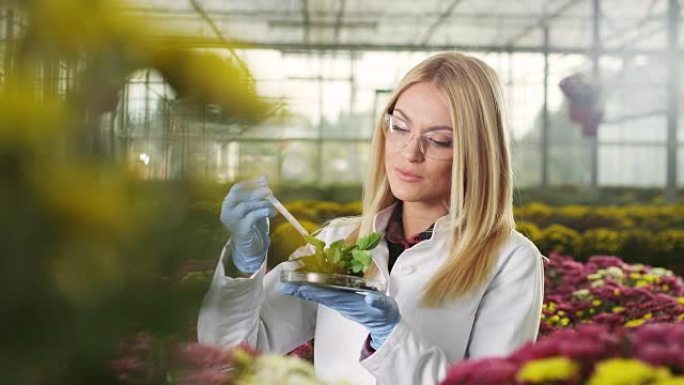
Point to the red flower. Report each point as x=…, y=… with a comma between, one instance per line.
x=203, y=356
x=487, y=371
x=206, y=376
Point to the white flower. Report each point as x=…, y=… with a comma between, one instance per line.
x=615, y=272
x=274, y=369
x=661, y=272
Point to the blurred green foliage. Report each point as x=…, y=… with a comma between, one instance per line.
x=89, y=254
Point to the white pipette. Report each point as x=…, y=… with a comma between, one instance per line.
x=290, y=218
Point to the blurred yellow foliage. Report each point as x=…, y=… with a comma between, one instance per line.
x=93, y=199
x=75, y=26
x=602, y=241
x=87, y=248
x=208, y=78
x=532, y=210
x=530, y=230
x=285, y=239
x=560, y=239
x=87, y=270
x=31, y=123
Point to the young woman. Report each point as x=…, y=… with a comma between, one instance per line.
x=462, y=283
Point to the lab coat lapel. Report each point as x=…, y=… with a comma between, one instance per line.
x=380, y=253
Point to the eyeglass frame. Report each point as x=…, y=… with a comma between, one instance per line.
x=421, y=137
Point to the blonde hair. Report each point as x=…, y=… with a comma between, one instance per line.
x=481, y=199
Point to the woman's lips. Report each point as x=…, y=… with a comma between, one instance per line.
x=407, y=176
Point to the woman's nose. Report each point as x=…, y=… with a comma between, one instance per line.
x=413, y=150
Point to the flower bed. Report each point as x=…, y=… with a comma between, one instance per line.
x=604, y=322
x=144, y=360
x=662, y=248
x=608, y=291
x=581, y=217
x=591, y=354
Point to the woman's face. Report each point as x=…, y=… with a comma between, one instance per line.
x=414, y=177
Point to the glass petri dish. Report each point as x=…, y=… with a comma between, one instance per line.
x=332, y=281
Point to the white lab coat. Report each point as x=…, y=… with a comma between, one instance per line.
x=494, y=320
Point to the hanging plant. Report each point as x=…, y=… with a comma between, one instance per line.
x=586, y=104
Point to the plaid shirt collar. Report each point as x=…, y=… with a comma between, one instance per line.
x=395, y=229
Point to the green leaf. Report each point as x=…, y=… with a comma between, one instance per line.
x=340, y=257
x=338, y=244
x=315, y=242
x=333, y=254
x=347, y=249
x=356, y=267
x=369, y=241
x=361, y=261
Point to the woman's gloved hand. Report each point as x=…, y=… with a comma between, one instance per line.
x=245, y=213
x=377, y=312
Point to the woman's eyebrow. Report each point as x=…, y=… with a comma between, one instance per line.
x=402, y=114
x=433, y=128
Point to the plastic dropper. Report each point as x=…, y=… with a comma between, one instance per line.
x=290, y=218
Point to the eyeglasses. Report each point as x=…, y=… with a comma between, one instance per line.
x=437, y=145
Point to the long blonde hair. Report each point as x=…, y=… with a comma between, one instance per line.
x=481, y=199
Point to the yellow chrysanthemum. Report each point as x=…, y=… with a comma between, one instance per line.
x=680, y=300
x=650, y=278
x=634, y=322
x=618, y=309
x=679, y=380
x=621, y=371
x=547, y=370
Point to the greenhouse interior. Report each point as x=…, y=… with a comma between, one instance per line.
x=148, y=146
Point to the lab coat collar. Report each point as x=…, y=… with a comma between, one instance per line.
x=381, y=219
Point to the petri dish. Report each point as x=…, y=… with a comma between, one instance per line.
x=332, y=281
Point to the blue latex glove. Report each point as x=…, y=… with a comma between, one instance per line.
x=377, y=312
x=245, y=213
